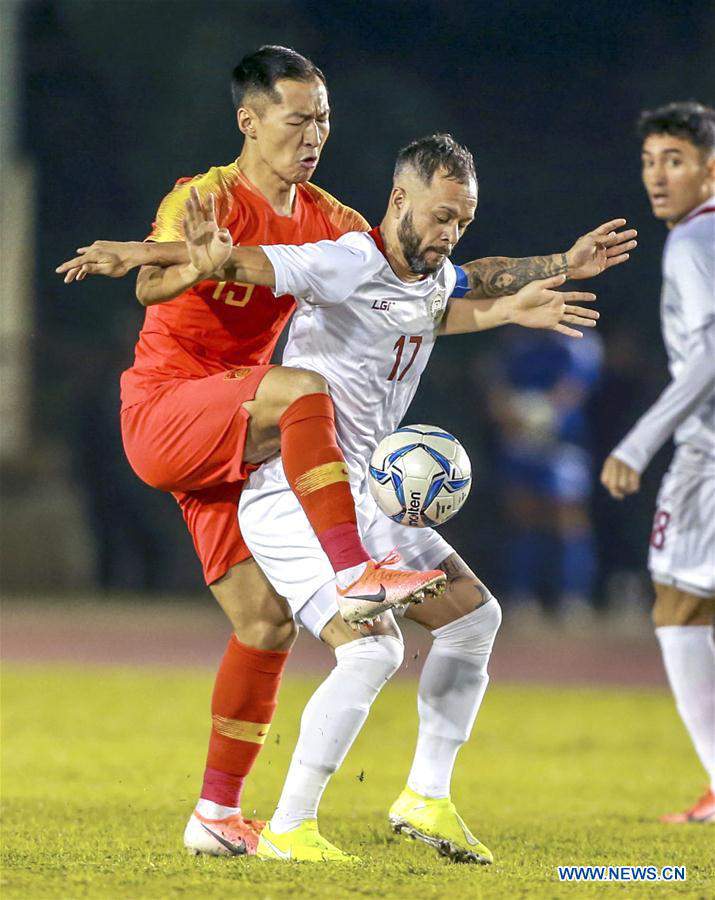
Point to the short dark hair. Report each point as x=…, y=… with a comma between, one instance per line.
x=437, y=152
x=687, y=119
x=261, y=70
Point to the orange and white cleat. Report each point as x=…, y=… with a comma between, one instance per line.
x=380, y=588
x=232, y=836
x=703, y=812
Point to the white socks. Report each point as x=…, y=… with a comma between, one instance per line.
x=331, y=721
x=451, y=689
x=346, y=577
x=689, y=657
x=210, y=810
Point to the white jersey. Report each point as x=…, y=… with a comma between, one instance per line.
x=687, y=306
x=367, y=333
x=686, y=409
x=370, y=335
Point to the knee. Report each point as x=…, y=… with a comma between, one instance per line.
x=373, y=660
x=265, y=623
x=494, y=615
x=267, y=635
x=282, y=635
x=489, y=622
x=676, y=607
x=259, y=616
x=285, y=635
x=301, y=382
x=473, y=634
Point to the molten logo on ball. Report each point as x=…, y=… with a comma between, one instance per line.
x=420, y=475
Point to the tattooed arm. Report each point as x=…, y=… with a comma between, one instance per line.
x=499, y=276
x=593, y=253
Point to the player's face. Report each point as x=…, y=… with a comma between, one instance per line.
x=676, y=175
x=434, y=220
x=291, y=134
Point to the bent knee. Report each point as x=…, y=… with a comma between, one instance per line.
x=472, y=634
x=284, y=634
x=267, y=635
x=674, y=606
x=494, y=614
x=297, y=383
x=310, y=382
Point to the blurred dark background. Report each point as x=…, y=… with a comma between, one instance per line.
x=107, y=102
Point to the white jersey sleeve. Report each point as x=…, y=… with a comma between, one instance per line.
x=694, y=277
x=322, y=274
x=693, y=384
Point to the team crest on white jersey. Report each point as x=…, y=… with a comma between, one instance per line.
x=438, y=303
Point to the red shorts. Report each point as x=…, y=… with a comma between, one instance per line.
x=188, y=437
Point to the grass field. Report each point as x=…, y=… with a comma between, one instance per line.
x=101, y=767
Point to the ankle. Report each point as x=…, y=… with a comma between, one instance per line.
x=211, y=810
x=284, y=821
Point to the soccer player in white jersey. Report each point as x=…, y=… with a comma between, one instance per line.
x=679, y=175
x=370, y=306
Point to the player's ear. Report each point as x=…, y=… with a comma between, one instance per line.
x=398, y=198
x=710, y=164
x=246, y=118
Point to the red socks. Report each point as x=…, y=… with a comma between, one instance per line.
x=316, y=471
x=246, y=689
x=244, y=700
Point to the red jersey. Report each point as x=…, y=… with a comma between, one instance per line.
x=218, y=325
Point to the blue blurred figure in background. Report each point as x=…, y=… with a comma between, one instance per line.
x=539, y=388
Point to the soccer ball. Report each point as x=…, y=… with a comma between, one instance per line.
x=420, y=475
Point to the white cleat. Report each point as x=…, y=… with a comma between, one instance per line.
x=232, y=836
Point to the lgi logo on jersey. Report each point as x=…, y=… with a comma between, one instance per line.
x=383, y=305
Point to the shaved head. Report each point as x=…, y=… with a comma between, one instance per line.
x=436, y=153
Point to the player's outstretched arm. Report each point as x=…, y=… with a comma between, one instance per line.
x=537, y=305
x=593, y=253
x=114, y=259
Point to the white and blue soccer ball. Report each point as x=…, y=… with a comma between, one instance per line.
x=420, y=475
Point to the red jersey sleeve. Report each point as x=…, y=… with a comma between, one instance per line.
x=342, y=218
x=169, y=222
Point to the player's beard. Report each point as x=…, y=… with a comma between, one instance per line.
x=410, y=243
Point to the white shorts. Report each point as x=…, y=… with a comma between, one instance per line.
x=682, y=542
x=279, y=536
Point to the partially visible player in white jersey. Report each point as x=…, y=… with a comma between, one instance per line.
x=679, y=175
x=370, y=306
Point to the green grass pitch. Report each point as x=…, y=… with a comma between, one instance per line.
x=101, y=768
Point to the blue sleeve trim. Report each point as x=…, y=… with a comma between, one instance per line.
x=462, y=285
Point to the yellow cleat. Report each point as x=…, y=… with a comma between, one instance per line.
x=437, y=823
x=301, y=844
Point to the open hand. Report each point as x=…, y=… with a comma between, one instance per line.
x=539, y=305
x=619, y=479
x=209, y=246
x=110, y=258
x=601, y=249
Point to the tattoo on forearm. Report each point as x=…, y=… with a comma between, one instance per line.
x=497, y=276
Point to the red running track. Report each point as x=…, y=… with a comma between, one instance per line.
x=181, y=633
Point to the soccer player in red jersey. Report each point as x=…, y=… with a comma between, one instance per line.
x=201, y=405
